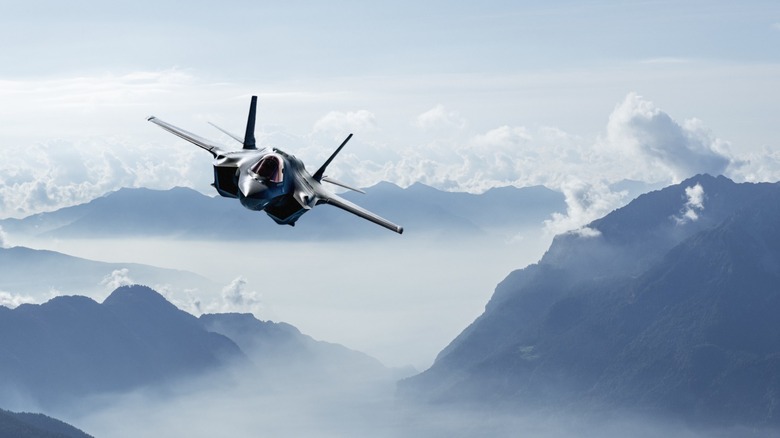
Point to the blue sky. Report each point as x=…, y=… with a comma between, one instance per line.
x=459, y=95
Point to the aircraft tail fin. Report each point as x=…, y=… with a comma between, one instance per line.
x=321, y=171
x=249, y=136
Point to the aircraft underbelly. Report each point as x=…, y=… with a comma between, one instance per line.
x=286, y=210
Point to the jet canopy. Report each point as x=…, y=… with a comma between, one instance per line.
x=270, y=167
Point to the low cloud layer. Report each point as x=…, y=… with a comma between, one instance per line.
x=10, y=300
x=106, y=145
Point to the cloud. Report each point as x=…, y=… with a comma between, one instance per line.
x=236, y=298
x=640, y=142
x=440, y=117
x=585, y=202
x=10, y=300
x=340, y=123
x=639, y=130
x=694, y=205
x=3, y=238
x=56, y=174
x=117, y=278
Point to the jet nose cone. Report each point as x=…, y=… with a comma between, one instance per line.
x=251, y=188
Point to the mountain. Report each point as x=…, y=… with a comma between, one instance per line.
x=56, y=353
x=53, y=270
x=185, y=213
x=666, y=306
x=27, y=425
x=72, y=346
x=280, y=348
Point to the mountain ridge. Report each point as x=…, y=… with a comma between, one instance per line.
x=71, y=274
x=73, y=347
x=184, y=213
x=666, y=316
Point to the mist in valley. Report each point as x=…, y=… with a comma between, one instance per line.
x=402, y=307
x=400, y=300
x=242, y=403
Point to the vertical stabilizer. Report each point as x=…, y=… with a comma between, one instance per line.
x=249, y=136
x=321, y=171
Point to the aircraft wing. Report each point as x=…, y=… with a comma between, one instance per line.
x=197, y=140
x=337, y=201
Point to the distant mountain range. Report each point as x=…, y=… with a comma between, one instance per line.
x=70, y=347
x=185, y=213
x=36, y=272
x=28, y=425
x=666, y=306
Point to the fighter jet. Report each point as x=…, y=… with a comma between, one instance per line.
x=271, y=180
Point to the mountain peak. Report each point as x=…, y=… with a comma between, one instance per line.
x=136, y=295
x=663, y=309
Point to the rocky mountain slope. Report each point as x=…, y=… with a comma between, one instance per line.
x=668, y=305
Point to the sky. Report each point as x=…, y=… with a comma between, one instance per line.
x=574, y=95
x=458, y=95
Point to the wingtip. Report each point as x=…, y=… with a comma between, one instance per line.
x=400, y=230
x=150, y=118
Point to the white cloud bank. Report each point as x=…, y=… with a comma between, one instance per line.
x=339, y=122
x=640, y=142
x=10, y=300
x=440, y=117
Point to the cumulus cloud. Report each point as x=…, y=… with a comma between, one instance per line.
x=440, y=117
x=117, y=278
x=56, y=174
x=237, y=298
x=694, y=205
x=339, y=122
x=758, y=166
x=10, y=300
x=640, y=130
x=585, y=202
x=641, y=142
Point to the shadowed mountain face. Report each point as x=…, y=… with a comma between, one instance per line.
x=668, y=305
x=72, y=346
x=59, y=352
x=26, y=425
x=185, y=213
x=282, y=351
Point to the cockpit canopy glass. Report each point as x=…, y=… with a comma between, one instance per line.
x=269, y=167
